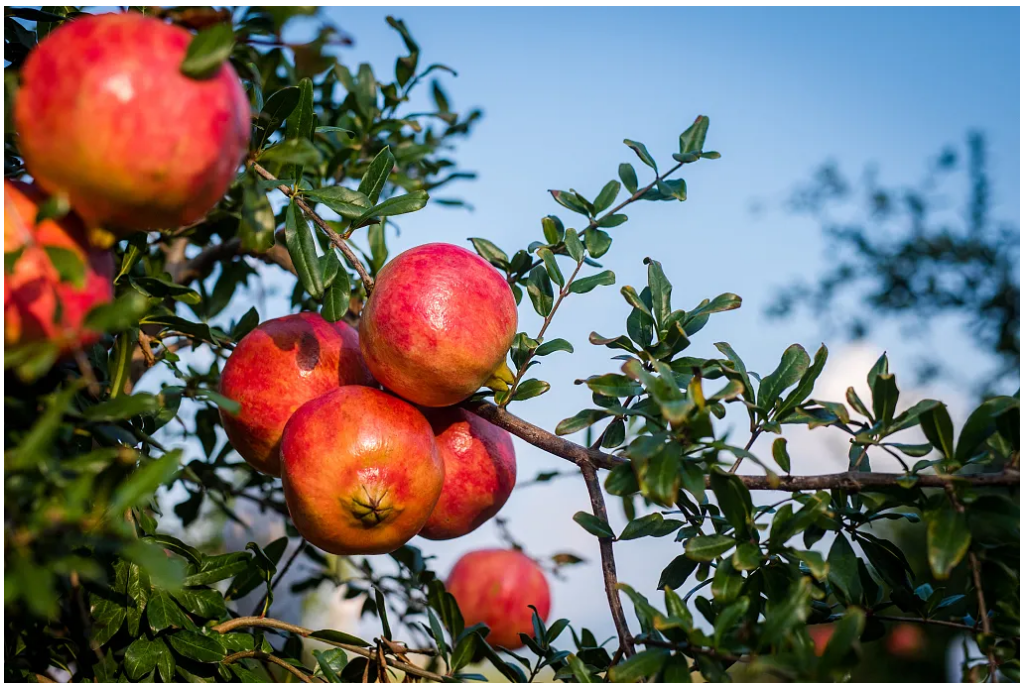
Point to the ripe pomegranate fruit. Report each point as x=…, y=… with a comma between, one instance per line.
x=480, y=472
x=438, y=324
x=105, y=115
x=361, y=471
x=38, y=306
x=496, y=587
x=277, y=367
x=905, y=640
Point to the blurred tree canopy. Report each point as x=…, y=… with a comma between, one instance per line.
x=914, y=254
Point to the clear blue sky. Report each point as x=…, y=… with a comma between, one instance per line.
x=785, y=90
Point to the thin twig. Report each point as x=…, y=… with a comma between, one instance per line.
x=333, y=236
x=973, y=561
x=253, y=621
x=608, y=561
x=525, y=365
x=933, y=621
x=270, y=658
x=260, y=607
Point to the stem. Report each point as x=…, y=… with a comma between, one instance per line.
x=334, y=236
x=270, y=658
x=930, y=621
x=281, y=576
x=563, y=292
x=973, y=560
x=608, y=561
x=253, y=621
x=750, y=443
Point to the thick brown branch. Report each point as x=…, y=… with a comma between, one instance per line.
x=532, y=434
x=335, y=238
x=845, y=481
x=253, y=621
x=270, y=658
x=608, y=561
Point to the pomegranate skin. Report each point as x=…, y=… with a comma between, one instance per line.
x=279, y=366
x=38, y=306
x=360, y=470
x=480, y=472
x=497, y=587
x=105, y=115
x=438, y=324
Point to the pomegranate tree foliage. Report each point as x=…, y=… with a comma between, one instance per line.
x=93, y=587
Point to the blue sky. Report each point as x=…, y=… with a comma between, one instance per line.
x=785, y=90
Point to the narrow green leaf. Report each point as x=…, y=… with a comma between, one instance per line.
x=302, y=248
x=207, y=51
x=642, y=153
x=593, y=524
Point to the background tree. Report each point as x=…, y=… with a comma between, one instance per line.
x=95, y=590
x=911, y=253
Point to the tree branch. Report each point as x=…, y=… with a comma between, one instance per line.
x=608, y=562
x=253, y=621
x=845, y=481
x=335, y=238
x=270, y=658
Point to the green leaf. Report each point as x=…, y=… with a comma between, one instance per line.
x=302, y=248
x=123, y=407
x=642, y=153
x=346, y=202
x=337, y=288
x=643, y=664
x=583, y=419
x=530, y=388
x=552, y=346
x=947, y=539
x=293, y=151
x=613, y=385
x=747, y=556
x=552, y=228
x=573, y=245
x=707, y=547
x=339, y=637
x=141, y=657
x=661, y=291
x=579, y=669
x=217, y=568
x=301, y=120
x=207, y=51
x=843, y=571
x=739, y=367
x=490, y=252
x=693, y=139
x=980, y=425
x=585, y=284
x=331, y=663
x=165, y=662
x=606, y=197
x=593, y=524
x=734, y=500
x=142, y=484
x=597, y=241
x=376, y=176
x=677, y=572
x=791, y=368
x=841, y=641
x=551, y=266
x=642, y=527
x=805, y=387
x=780, y=455
x=610, y=221
x=197, y=646
x=628, y=176
x=939, y=429
x=572, y=201
x=884, y=398
x=787, y=613
x=539, y=288
x=162, y=612
x=396, y=205
x=206, y=603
